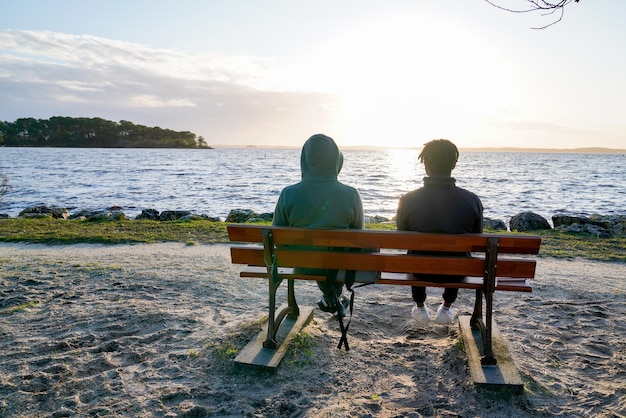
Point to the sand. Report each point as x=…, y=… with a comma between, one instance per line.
x=150, y=330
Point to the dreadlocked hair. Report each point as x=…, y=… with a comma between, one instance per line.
x=439, y=156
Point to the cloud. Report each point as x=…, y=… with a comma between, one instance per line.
x=43, y=74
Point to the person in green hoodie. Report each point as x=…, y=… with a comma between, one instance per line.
x=320, y=201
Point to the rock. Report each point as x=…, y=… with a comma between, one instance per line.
x=43, y=211
x=528, y=221
x=585, y=228
x=197, y=217
x=615, y=224
x=559, y=220
x=376, y=219
x=599, y=225
x=98, y=215
x=173, y=215
x=150, y=214
x=82, y=214
x=267, y=216
x=496, y=224
x=574, y=228
x=239, y=216
x=117, y=216
x=599, y=231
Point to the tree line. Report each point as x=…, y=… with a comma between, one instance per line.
x=60, y=131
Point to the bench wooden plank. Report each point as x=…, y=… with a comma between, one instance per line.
x=395, y=263
x=401, y=279
x=504, y=373
x=255, y=354
x=402, y=240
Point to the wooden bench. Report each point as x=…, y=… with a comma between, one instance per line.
x=495, y=264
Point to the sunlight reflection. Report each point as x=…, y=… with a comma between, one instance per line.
x=403, y=165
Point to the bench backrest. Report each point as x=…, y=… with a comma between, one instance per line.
x=309, y=248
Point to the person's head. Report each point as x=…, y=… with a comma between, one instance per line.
x=320, y=158
x=439, y=157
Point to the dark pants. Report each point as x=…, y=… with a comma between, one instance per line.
x=449, y=293
x=419, y=294
x=331, y=291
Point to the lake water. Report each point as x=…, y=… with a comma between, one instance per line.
x=213, y=182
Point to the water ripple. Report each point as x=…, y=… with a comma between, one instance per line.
x=215, y=181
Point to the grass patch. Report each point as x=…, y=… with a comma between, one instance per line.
x=300, y=349
x=19, y=308
x=224, y=351
x=570, y=245
x=59, y=231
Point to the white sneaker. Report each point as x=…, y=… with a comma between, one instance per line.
x=420, y=314
x=445, y=316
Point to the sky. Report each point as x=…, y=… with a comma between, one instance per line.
x=394, y=73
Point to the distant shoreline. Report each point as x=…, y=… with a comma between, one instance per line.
x=585, y=150
x=588, y=150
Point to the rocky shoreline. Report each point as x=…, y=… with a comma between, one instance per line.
x=602, y=226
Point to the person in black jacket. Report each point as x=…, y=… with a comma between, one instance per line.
x=439, y=207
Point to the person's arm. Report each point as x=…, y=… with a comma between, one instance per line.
x=359, y=217
x=400, y=221
x=478, y=227
x=280, y=217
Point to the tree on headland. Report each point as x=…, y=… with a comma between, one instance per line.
x=60, y=131
x=545, y=7
x=202, y=143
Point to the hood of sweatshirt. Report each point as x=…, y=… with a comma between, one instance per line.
x=320, y=158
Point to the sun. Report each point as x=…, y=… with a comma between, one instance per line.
x=401, y=81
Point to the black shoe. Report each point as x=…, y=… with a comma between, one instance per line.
x=344, y=304
x=325, y=306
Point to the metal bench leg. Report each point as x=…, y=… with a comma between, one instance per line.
x=274, y=281
x=489, y=281
x=477, y=316
x=274, y=320
x=489, y=358
x=294, y=310
x=272, y=323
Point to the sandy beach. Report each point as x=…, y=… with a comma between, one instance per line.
x=150, y=330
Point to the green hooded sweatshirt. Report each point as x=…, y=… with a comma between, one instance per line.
x=319, y=200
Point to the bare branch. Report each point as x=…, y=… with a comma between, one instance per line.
x=546, y=8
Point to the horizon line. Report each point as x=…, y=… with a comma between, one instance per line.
x=582, y=150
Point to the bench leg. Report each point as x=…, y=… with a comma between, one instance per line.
x=489, y=358
x=477, y=316
x=491, y=260
x=272, y=322
x=294, y=310
x=484, y=326
x=274, y=319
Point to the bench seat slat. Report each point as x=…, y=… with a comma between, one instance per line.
x=516, y=285
x=386, y=262
x=516, y=244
